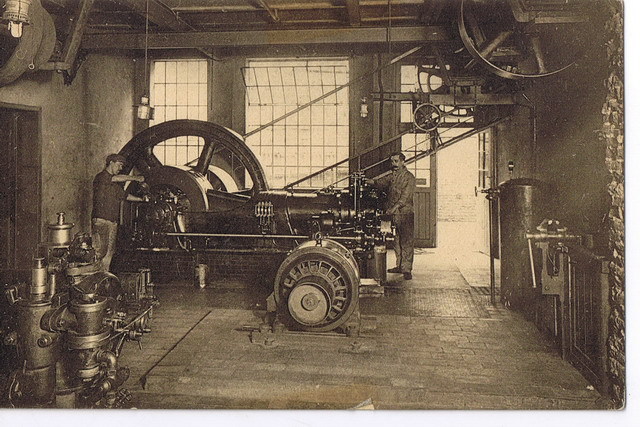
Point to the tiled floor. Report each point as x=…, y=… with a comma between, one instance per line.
x=434, y=342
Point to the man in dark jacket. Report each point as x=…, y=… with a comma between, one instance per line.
x=108, y=192
x=400, y=186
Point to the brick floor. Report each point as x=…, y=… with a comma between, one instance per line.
x=431, y=344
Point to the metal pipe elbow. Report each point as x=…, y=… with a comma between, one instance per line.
x=109, y=359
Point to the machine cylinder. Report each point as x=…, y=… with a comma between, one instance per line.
x=380, y=262
x=38, y=385
x=521, y=210
x=38, y=348
x=374, y=266
x=38, y=289
x=89, y=315
x=60, y=231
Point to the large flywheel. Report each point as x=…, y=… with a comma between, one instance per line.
x=182, y=195
x=522, y=39
x=221, y=145
x=316, y=287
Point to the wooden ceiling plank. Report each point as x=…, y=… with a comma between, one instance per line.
x=272, y=12
x=159, y=14
x=431, y=11
x=163, y=17
x=353, y=9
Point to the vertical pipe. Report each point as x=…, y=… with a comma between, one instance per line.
x=381, y=102
x=533, y=267
x=492, y=273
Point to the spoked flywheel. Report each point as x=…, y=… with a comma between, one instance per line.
x=182, y=195
x=522, y=39
x=225, y=160
x=225, y=163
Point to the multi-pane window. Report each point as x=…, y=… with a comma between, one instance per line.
x=454, y=121
x=179, y=91
x=313, y=138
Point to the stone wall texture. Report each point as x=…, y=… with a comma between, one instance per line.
x=613, y=135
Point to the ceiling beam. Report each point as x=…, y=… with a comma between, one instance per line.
x=339, y=36
x=353, y=9
x=431, y=11
x=159, y=14
x=162, y=16
x=72, y=43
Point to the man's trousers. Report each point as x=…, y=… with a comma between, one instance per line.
x=403, y=243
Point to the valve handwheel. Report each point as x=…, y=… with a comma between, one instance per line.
x=427, y=117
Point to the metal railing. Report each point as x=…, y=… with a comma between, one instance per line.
x=357, y=159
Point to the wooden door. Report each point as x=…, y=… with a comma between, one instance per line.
x=424, y=203
x=485, y=181
x=20, y=184
x=7, y=189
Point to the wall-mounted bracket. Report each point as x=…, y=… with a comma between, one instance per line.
x=66, y=63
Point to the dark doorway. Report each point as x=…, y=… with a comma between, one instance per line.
x=20, y=189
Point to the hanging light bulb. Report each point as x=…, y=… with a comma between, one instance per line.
x=16, y=13
x=364, y=108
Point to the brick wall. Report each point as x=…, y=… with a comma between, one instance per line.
x=456, y=208
x=457, y=176
x=613, y=135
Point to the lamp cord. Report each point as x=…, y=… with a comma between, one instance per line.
x=389, y=26
x=146, y=48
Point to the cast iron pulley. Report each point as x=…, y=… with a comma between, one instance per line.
x=427, y=117
x=522, y=39
x=316, y=287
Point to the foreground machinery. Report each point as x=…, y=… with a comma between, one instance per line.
x=329, y=238
x=69, y=325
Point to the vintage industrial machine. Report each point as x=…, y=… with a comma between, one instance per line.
x=329, y=238
x=69, y=325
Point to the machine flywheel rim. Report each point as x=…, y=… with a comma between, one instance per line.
x=139, y=150
x=469, y=44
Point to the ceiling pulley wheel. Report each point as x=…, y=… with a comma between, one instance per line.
x=427, y=117
x=520, y=39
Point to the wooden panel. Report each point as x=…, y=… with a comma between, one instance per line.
x=586, y=316
x=424, y=205
x=28, y=188
x=20, y=185
x=7, y=189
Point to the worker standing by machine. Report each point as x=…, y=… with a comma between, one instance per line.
x=107, y=194
x=400, y=186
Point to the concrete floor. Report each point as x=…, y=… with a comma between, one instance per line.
x=434, y=342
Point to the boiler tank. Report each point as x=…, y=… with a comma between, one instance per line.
x=522, y=207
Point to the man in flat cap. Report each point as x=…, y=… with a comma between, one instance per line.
x=400, y=186
x=108, y=192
